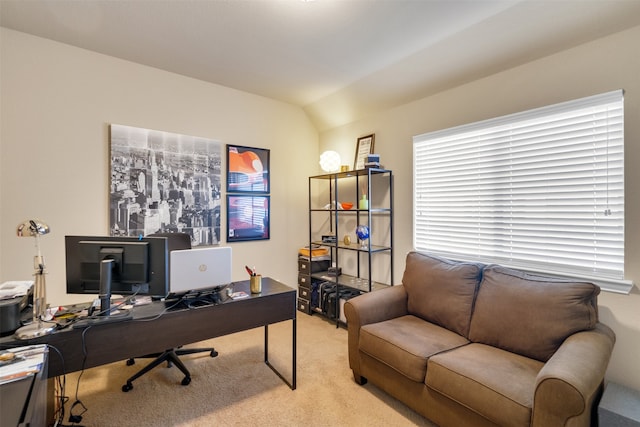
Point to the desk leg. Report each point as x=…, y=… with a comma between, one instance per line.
x=292, y=384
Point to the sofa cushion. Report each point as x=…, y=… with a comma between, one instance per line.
x=441, y=291
x=530, y=315
x=405, y=343
x=496, y=384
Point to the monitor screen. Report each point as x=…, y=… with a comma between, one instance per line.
x=140, y=265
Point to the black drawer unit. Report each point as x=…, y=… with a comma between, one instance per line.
x=308, y=299
x=304, y=285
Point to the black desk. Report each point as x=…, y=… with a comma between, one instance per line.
x=152, y=331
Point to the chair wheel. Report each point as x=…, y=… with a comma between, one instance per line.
x=130, y=362
x=127, y=387
x=186, y=381
x=213, y=353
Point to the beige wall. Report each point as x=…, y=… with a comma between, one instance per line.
x=57, y=104
x=603, y=65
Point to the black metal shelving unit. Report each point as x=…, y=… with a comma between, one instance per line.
x=326, y=194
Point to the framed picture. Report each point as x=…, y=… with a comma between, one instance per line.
x=247, y=169
x=163, y=182
x=364, y=147
x=247, y=217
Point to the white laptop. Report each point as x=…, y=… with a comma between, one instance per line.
x=193, y=270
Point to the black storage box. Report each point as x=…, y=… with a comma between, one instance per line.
x=308, y=267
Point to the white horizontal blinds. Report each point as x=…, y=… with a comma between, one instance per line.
x=542, y=190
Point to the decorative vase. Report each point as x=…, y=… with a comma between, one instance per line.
x=363, y=203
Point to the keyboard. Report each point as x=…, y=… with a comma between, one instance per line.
x=85, y=322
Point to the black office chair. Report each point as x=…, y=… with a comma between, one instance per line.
x=175, y=241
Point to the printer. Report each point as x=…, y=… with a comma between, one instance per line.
x=15, y=297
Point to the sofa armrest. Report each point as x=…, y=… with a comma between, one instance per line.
x=376, y=306
x=571, y=381
x=372, y=307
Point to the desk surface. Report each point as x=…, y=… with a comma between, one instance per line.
x=152, y=329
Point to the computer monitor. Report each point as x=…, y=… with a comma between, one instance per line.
x=135, y=265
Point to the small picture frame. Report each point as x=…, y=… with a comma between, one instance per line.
x=247, y=217
x=364, y=147
x=247, y=169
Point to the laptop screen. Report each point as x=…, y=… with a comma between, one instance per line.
x=193, y=270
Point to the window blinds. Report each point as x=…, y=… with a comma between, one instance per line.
x=541, y=190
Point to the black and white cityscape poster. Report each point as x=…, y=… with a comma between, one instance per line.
x=165, y=182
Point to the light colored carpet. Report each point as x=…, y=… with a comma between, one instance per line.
x=238, y=389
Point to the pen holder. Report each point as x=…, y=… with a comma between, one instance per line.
x=255, y=284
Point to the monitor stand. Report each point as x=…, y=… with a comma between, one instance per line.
x=106, y=270
x=104, y=315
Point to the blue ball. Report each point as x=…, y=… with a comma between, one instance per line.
x=362, y=232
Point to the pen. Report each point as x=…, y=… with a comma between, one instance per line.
x=251, y=272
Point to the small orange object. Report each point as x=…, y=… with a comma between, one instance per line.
x=347, y=205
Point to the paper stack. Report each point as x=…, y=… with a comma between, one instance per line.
x=21, y=362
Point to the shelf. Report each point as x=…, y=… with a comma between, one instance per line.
x=353, y=173
x=352, y=211
x=358, y=283
x=353, y=246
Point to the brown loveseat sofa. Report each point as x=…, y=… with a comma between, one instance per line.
x=466, y=344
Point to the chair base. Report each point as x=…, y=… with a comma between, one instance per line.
x=171, y=357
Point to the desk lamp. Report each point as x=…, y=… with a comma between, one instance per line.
x=36, y=228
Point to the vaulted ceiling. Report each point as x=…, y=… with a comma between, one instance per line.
x=337, y=59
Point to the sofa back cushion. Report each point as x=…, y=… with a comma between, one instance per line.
x=528, y=314
x=441, y=291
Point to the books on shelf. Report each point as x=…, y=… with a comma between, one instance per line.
x=373, y=165
x=314, y=252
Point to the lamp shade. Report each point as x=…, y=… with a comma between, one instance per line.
x=330, y=161
x=31, y=228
